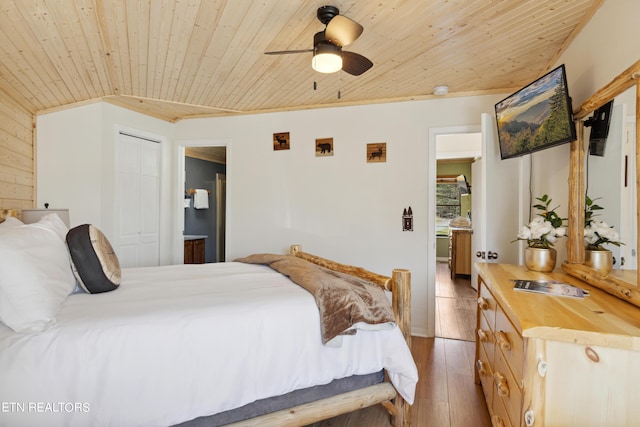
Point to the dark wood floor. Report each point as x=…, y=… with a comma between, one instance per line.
x=446, y=395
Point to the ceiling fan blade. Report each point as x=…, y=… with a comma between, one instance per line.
x=355, y=64
x=342, y=30
x=286, y=52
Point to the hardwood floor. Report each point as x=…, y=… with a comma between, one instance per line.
x=455, y=305
x=446, y=395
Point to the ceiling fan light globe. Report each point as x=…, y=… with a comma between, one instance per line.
x=326, y=62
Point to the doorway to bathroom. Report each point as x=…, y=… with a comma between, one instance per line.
x=204, y=203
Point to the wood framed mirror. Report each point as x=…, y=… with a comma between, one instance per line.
x=621, y=283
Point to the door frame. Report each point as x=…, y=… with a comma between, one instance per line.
x=178, y=226
x=431, y=220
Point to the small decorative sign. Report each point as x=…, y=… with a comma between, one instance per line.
x=377, y=152
x=281, y=141
x=324, y=147
x=407, y=219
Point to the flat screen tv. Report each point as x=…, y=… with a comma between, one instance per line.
x=599, y=122
x=536, y=117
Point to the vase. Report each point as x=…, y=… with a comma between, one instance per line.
x=540, y=259
x=600, y=260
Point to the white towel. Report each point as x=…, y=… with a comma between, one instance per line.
x=201, y=199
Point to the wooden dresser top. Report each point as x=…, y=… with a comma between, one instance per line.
x=599, y=319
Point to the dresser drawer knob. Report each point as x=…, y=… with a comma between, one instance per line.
x=529, y=418
x=542, y=368
x=482, y=335
x=501, y=384
x=483, y=304
x=503, y=341
x=482, y=371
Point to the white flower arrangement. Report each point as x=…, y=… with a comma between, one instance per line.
x=597, y=233
x=545, y=229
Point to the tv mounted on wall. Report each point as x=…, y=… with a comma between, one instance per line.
x=599, y=122
x=536, y=117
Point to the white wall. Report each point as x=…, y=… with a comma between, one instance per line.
x=607, y=46
x=68, y=146
x=75, y=151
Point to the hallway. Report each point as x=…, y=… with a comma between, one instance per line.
x=455, y=305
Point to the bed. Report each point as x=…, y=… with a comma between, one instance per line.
x=185, y=344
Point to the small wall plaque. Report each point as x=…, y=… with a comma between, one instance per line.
x=324, y=147
x=281, y=141
x=407, y=219
x=377, y=152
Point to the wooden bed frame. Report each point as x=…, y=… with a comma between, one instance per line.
x=399, y=284
x=5, y=213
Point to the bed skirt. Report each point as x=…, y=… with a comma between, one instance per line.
x=288, y=400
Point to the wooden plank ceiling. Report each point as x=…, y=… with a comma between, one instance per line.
x=175, y=59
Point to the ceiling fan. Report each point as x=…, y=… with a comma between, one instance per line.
x=328, y=56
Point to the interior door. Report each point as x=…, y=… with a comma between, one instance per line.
x=495, y=202
x=138, y=201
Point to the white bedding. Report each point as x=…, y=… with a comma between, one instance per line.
x=177, y=342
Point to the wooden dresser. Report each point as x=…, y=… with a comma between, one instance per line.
x=547, y=360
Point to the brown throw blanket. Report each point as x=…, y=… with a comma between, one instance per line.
x=345, y=302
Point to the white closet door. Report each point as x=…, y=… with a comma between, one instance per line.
x=138, y=201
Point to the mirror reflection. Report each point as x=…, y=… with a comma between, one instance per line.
x=610, y=175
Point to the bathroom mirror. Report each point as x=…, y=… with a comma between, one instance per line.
x=620, y=282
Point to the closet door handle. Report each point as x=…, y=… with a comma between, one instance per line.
x=483, y=304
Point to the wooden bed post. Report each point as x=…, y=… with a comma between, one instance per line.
x=401, y=289
x=6, y=213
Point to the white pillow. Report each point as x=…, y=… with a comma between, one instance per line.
x=10, y=222
x=35, y=274
x=54, y=223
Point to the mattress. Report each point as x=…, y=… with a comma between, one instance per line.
x=179, y=342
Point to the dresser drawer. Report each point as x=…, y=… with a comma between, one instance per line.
x=487, y=305
x=499, y=418
x=506, y=389
x=485, y=373
x=510, y=343
x=485, y=337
